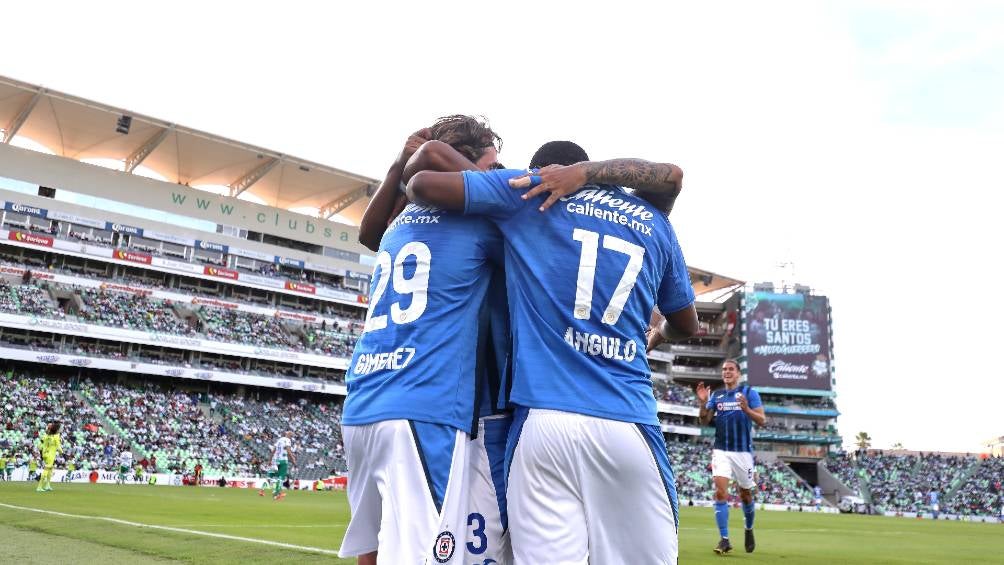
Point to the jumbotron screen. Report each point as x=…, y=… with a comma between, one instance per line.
x=787, y=340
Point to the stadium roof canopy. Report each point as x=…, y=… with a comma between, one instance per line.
x=69, y=126
x=84, y=130
x=705, y=282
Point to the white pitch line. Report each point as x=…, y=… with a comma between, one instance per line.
x=171, y=529
x=270, y=526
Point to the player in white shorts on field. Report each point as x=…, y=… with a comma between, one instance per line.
x=582, y=281
x=734, y=409
x=414, y=379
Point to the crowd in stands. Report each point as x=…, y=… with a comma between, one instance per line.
x=315, y=425
x=333, y=343
x=169, y=425
x=902, y=482
x=982, y=493
x=691, y=463
x=844, y=468
x=227, y=434
x=29, y=403
x=244, y=327
x=802, y=402
x=149, y=314
x=775, y=482
x=889, y=479
x=131, y=311
x=674, y=393
x=27, y=299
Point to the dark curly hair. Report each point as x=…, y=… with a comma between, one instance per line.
x=558, y=153
x=469, y=135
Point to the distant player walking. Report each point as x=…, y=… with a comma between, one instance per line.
x=935, y=507
x=282, y=456
x=51, y=446
x=734, y=410
x=125, y=465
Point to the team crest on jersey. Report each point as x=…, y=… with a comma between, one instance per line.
x=445, y=545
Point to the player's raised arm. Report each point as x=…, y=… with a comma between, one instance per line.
x=659, y=183
x=443, y=190
x=437, y=156
x=703, y=394
x=385, y=201
x=676, y=326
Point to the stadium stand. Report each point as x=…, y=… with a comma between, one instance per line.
x=227, y=434
x=841, y=465
x=776, y=482
x=29, y=403
x=982, y=493
x=141, y=312
x=130, y=311
x=242, y=327
x=27, y=299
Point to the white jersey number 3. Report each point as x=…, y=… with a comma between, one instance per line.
x=587, y=272
x=417, y=286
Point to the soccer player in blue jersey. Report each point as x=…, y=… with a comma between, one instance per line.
x=734, y=409
x=582, y=281
x=932, y=498
x=412, y=382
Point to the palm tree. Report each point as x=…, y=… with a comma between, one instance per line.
x=863, y=440
x=898, y=445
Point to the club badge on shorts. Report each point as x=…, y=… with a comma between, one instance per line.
x=445, y=545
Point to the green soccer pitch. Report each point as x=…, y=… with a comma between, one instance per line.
x=112, y=524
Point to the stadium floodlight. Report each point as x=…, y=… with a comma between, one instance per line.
x=123, y=124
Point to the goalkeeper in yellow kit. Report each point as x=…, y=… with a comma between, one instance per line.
x=51, y=446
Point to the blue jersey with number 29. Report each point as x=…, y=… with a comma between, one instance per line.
x=416, y=359
x=582, y=279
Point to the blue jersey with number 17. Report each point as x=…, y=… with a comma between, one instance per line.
x=582, y=279
x=416, y=359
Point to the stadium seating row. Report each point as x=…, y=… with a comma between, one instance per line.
x=902, y=482
x=145, y=313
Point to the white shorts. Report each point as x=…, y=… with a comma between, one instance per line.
x=589, y=490
x=736, y=465
x=935, y=508
x=487, y=520
x=407, y=492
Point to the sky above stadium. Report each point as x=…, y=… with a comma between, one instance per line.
x=858, y=143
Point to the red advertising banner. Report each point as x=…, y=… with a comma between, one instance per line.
x=220, y=272
x=123, y=255
x=301, y=287
x=126, y=288
x=23, y=237
x=20, y=272
x=214, y=302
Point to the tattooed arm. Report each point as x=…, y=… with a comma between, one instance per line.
x=659, y=183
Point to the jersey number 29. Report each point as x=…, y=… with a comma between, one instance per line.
x=417, y=286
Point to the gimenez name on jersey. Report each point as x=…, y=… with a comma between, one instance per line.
x=417, y=214
x=398, y=359
x=609, y=205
